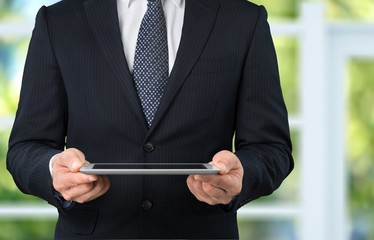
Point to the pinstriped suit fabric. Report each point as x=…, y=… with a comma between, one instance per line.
x=78, y=91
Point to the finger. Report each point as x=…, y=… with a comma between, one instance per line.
x=89, y=195
x=103, y=187
x=72, y=158
x=226, y=161
x=79, y=162
x=100, y=187
x=212, y=191
x=197, y=190
x=78, y=153
x=217, y=181
x=193, y=185
x=77, y=191
x=205, y=178
x=215, y=187
x=64, y=180
x=229, y=183
x=214, y=195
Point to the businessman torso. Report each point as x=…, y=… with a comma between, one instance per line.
x=77, y=54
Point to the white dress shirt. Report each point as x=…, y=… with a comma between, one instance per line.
x=131, y=13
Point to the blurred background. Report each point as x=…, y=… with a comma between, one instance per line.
x=326, y=57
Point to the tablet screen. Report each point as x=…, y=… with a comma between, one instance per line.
x=149, y=166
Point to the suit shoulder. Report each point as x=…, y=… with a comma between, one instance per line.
x=243, y=4
x=64, y=11
x=66, y=3
x=241, y=9
x=65, y=6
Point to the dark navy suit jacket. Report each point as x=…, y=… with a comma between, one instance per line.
x=77, y=92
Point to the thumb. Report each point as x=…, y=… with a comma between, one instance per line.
x=226, y=161
x=221, y=165
x=75, y=159
x=75, y=165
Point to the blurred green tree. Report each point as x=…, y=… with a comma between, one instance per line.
x=360, y=145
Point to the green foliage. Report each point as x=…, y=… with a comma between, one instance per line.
x=36, y=229
x=336, y=10
x=360, y=142
x=267, y=230
x=5, y=6
x=362, y=10
x=8, y=9
x=286, y=9
x=288, y=61
x=12, y=57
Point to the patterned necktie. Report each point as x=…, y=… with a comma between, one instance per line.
x=151, y=63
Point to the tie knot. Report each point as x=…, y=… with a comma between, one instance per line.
x=153, y=2
x=155, y=6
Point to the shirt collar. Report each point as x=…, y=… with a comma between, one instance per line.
x=177, y=3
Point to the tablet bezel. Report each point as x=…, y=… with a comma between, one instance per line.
x=207, y=169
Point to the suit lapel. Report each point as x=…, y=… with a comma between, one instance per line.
x=199, y=19
x=103, y=18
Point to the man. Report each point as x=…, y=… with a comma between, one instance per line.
x=82, y=101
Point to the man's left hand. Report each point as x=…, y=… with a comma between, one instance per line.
x=220, y=188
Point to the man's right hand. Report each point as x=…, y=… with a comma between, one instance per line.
x=72, y=184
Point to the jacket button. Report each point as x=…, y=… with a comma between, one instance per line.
x=149, y=147
x=147, y=204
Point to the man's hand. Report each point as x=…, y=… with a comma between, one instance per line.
x=72, y=184
x=220, y=188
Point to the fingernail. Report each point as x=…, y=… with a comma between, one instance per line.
x=91, y=179
x=75, y=165
x=222, y=167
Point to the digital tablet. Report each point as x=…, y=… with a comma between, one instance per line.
x=149, y=168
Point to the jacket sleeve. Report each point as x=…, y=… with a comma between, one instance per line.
x=262, y=138
x=39, y=129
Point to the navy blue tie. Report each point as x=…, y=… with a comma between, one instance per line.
x=151, y=63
